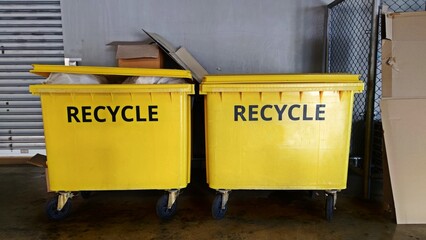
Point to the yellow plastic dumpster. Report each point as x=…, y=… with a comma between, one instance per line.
x=278, y=132
x=116, y=136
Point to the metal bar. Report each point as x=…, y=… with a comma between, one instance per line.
x=30, y=40
x=30, y=25
x=325, y=50
x=22, y=132
x=31, y=48
x=21, y=145
x=14, y=70
x=33, y=62
x=333, y=4
x=371, y=87
x=21, y=77
x=30, y=18
x=30, y=33
x=30, y=10
x=29, y=2
x=32, y=55
x=21, y=139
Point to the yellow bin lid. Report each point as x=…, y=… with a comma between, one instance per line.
x=281, y=82
x=45, y=70
x=281, y=78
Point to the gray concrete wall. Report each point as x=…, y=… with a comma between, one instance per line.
x=225, y=36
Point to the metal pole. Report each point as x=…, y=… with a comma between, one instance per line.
x=371, y=87
x=326, y=47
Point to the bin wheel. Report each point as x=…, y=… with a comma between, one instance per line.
x=52, y=211
x=162, y=210
x=329, y=206
x=85, y=194
x=217, y=211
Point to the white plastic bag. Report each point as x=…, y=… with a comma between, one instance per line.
x=68, y=78
x=153, y=80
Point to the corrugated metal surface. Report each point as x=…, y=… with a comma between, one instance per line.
x=30, y=32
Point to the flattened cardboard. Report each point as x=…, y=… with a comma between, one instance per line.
x=404, y=125
x=38, y=160
x=388, y=203
x=387, y=68
x=181, y=56
x=190, y=63
x=407, y=26
x=403, y=59
x=162, y=42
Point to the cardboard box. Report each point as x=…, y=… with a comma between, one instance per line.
x=404, y=124
x=138, y=55
x=403, y=55
x=145, y=55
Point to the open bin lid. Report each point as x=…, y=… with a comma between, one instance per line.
x=281, y=82
x=45, y=70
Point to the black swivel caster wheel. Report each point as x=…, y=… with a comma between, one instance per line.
x=329, y=206
x=52, y=211
x=163, y=212
x=217, y=211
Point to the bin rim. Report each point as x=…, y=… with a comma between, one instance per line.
x=45, y=70
x=281, y=78
x=112, y=88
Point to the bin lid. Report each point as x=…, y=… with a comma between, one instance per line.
x=281, y=83
x=281, y=78
x=45, y=70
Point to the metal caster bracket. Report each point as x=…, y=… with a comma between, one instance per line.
x=334, y=193
x=225, y=197
x=63, y=197
x=173, y=194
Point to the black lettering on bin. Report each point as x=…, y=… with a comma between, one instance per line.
x=290, y=112
x=138, y=115
x=123, y=113
x=239, y=111
x=305, y=113
x=113, y=112
x=96, y=114
x=85, y=111
x=319, y=111
x=252, y=112
x=72, y=113
x=262, y=113
x=280, y=111
x=151, y=113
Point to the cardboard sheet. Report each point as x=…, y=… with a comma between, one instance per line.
x=404, y=125
x=404, y=55
x=181, y=56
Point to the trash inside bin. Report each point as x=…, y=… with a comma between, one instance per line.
x=278, y=132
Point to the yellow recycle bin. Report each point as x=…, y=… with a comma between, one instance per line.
x=278, y=132
x=116, y=136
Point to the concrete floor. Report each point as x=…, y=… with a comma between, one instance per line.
x=131, y=214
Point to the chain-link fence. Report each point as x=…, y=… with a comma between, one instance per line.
x=348, y=44
x=405, y=5
x=348, y=40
